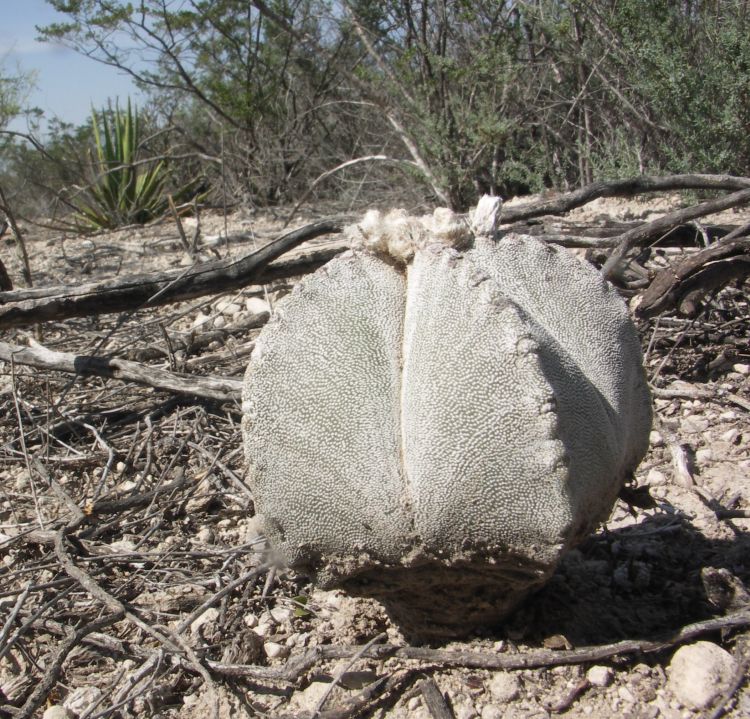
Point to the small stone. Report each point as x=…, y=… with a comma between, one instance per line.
x=57, y=711
x=730, y=436
x=120, y=467
x=466, y=712
x=250, y=620
x=205, y=536
x=729, y=416
x=655, y=478
x=274, y=650
x=282, y=614
x=600, y=676
x=504, y=687
x=704, y=455
x=256, y=305
x=626, y=695
x=414, y=703
x=694, y=424
x=263, y=630
x=741, y=368
x=210, y=615
x=699, y=673
x=219, y=322
x=200, y=321
x=491, y=712
x=227, y=307
x=656, y=439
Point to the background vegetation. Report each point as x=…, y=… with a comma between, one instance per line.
x=453, y=97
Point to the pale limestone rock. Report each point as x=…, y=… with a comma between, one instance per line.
x=600, y=676
x=699, y=673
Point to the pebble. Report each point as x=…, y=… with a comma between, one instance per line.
x=626, y=695
x=656, y=439
x=655, y=478
x=729, y=416
x=200, y=320
x=282, y=614
x=699, y=672
x=210, y=615
x=250, y=621
x=741, y=368
x=274, y=650
x=504, y=687
x=730, y=436
x=704, y=455
x=256, y=305
x=220, y=322
x=694, y=424
x=414, y=703
x=600, y=676
x=227, y=307
x=205, y=536
x=491, y=712
x=466, y=712
x=57, y=711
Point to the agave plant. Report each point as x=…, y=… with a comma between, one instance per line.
x=126, y=191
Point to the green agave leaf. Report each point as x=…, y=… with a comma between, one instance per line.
x=124, y=192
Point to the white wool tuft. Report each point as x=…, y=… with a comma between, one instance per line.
x=399, y=234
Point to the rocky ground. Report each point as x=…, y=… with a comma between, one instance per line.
x=173, y=539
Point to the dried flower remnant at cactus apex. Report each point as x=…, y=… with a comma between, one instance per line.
x=435, y=416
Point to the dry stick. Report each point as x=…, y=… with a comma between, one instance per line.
x=434, y=699
x=180, y=230
x=700, y=394
x=12, y=616
x=329, y=689
x=24, y=307
x=211, y=388
x=52, y=673
x=739, y=678
x=298, y=665
x=626, y=241
x=21, y=253
x=166, y=640
x=683, y=285
x=622, y=188
x=736, y=233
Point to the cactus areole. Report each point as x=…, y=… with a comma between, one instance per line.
x=435, y=416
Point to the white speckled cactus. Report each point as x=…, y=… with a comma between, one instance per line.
x=434, y=417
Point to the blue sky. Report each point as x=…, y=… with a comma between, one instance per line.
x=66, y=83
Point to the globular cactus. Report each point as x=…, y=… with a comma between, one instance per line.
x=434, y=417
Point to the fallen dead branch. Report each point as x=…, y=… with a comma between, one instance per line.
x=298, y=665
x=52, y=673
x=212, y=388
x=682, y=287
x=625, y=188
x=23, y=307
x=650, y=230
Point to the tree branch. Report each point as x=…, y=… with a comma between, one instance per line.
x=25, y=307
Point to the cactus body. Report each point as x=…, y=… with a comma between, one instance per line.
x=434, y=426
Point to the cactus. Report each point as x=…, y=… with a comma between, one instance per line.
x=435, y=416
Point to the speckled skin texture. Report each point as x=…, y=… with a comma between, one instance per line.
x=435, y=432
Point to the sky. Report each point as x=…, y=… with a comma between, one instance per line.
x=67, y=84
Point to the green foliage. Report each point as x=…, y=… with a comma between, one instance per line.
x=125, y=191
x=14, y=89
x=493, y=97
